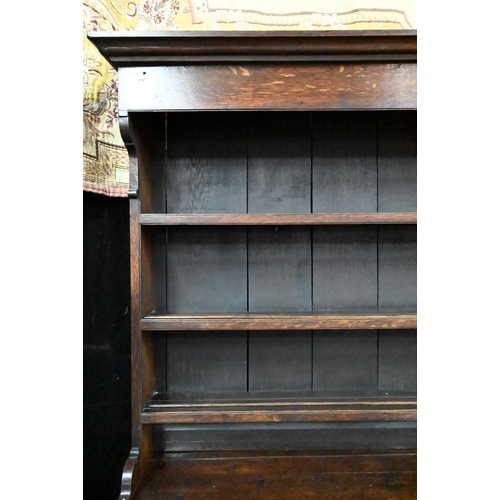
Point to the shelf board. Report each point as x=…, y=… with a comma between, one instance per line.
x=302, y=321
x=277, y=219
x=278, y=407
x=228, y=398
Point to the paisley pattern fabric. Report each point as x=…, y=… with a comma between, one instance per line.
x=105, y=159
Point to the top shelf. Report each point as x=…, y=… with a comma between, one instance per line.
x=277, y=219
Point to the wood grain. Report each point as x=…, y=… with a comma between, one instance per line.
x=344, y=162
x=271, y=219
x=135, y=315
x=278, y=476
x=206, y=174
x=333, y=413
x=206, y=270
x=346, y=86
x=280, y=322
x=146, y=163
x=281, y=398
x=279, y=163
x=357, y=271
x=125, y=48
x=397, y=161
x=153, y=270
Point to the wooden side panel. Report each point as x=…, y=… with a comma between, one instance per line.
x=345, y=360
x=397, y=360
x=279, y=362
x=206, y=163
x=153, y=364
x=345, y=268
x=201, y=362
x=148, y=134
x=206, y=270
x=279, y=163
x=397, y=168
x=397, y=268
x=344, y=162
x=153, y=270
x=350, y=85
x=135, y=314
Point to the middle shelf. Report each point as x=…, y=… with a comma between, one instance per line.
x=302, y=321
x=279, y=407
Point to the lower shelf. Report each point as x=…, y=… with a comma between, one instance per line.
x=279, y=475
x=279, y=407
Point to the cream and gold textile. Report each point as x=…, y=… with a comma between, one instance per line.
x=105, y=159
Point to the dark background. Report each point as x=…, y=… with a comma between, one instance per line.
x=106, y=344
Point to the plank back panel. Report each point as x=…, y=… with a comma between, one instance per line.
x=345, y=360
x=206, y=174
x=201, y=362
x=279, y=269
x=279, y=163
x=345, y=268
x=206, y=270
x=397, y=267
x=397, y=164
x=279, y=362
x=398, y=360
x=344, y=162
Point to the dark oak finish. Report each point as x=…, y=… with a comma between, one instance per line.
x=273, y=262
x=279, y=406
x=253, y=321
x=165, y=48
x=260, y=87
x=285, y=436
x=282, y=414
x=277, y=219
x=385, y=474
x=279, y=170
x=206, y=175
